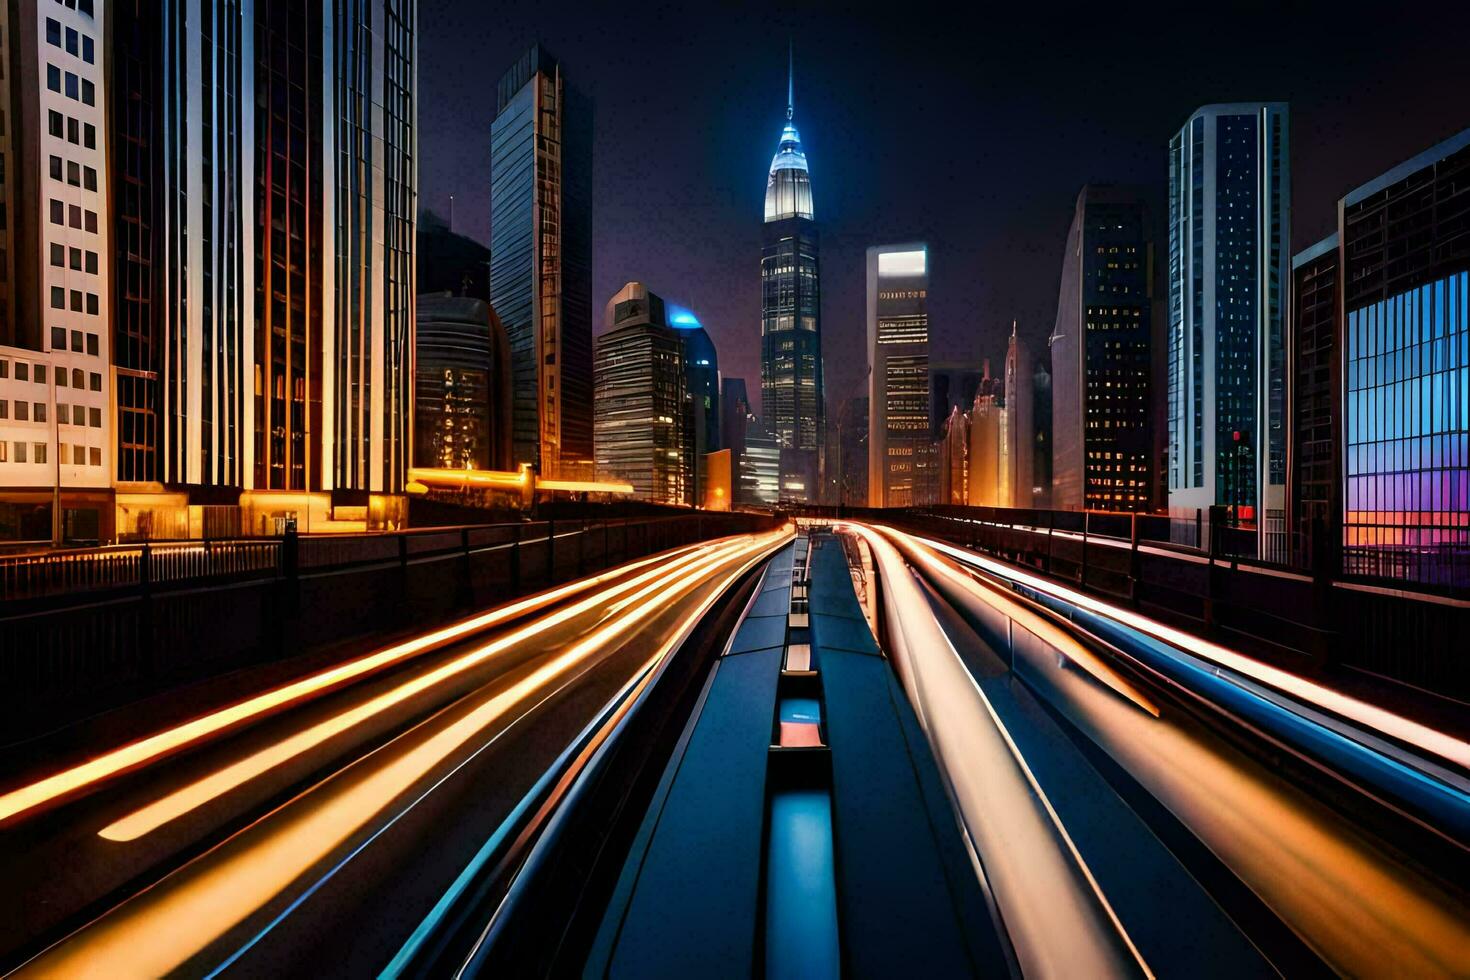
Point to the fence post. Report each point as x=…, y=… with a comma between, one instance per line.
x=1082, y=572
x=466, y=578
x=145, y=612
x=582, y=546
x=515, y=560
x=1050, y=524
x=550, y=550
x=1133, y=567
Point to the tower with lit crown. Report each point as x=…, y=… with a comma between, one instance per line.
x=791, y=318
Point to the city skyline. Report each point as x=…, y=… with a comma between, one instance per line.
x=1003, y=236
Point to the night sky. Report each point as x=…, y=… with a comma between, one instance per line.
x=973, y=134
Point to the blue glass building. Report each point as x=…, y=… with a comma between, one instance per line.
x=1405, y=365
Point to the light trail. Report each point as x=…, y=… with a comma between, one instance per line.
x=196, y=794
x=1064, y=643
x=1058, y=918
x=171, y=740
x=1364, y=911
x=1396, y=726
x=159, y=930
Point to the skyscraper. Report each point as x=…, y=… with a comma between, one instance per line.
x=1405, y=370
x=1101, y=353
x=898, y=379
x=791, y=315
x=987, y=431
x=541, y=260
x=1229, y=229
x=702, y=377
x=55, y=348
x=1020, y=418
x=644, y=428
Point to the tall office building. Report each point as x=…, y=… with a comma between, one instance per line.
x=702, y=377
x=541, y=260
x=1229, y=229
x=56, y=452
x=265, y=178
x=791, y=315
x=1405, y=369
x=898, y=377
x=1101, y=355
x=1313, y=483
x=1020, y=418
x=644, y=427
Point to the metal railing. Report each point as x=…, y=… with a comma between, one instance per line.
x=47, y=573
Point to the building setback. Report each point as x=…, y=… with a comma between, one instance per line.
x=644, y=426
x=791, y=317
x=898, y=378
x=1229, y=225
x=55, y=347
x=541, y=261
x=1101, y=354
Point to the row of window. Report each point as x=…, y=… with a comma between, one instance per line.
x=86, y=415
x=75, y=175
x=74, y=216
x=71, y=129
x=26, y=371
x=83, y=6
x=59, y=297
x=81, y=260
x=78, y=340
x=77, y=44
x=71, y=84
x=16, y=452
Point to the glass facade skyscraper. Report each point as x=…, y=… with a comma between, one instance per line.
x=1406, y=371
x=898, y=380
x=1101, y=349
x=791, y=317
x=541, y=261
x=1229, y=229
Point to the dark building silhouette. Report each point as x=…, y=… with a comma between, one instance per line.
x=1102, y=448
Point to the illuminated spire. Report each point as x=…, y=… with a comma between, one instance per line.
x=789, y=189
x=790, y=81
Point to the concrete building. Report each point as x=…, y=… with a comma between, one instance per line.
x=56, y=422
x=987, y=479
x=898, y=379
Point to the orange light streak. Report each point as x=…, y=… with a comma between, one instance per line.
x=216, y=784
x=1396, y=726
x=221, y=889
x=171, y=740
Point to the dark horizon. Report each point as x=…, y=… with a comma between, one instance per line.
x=978, y=147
